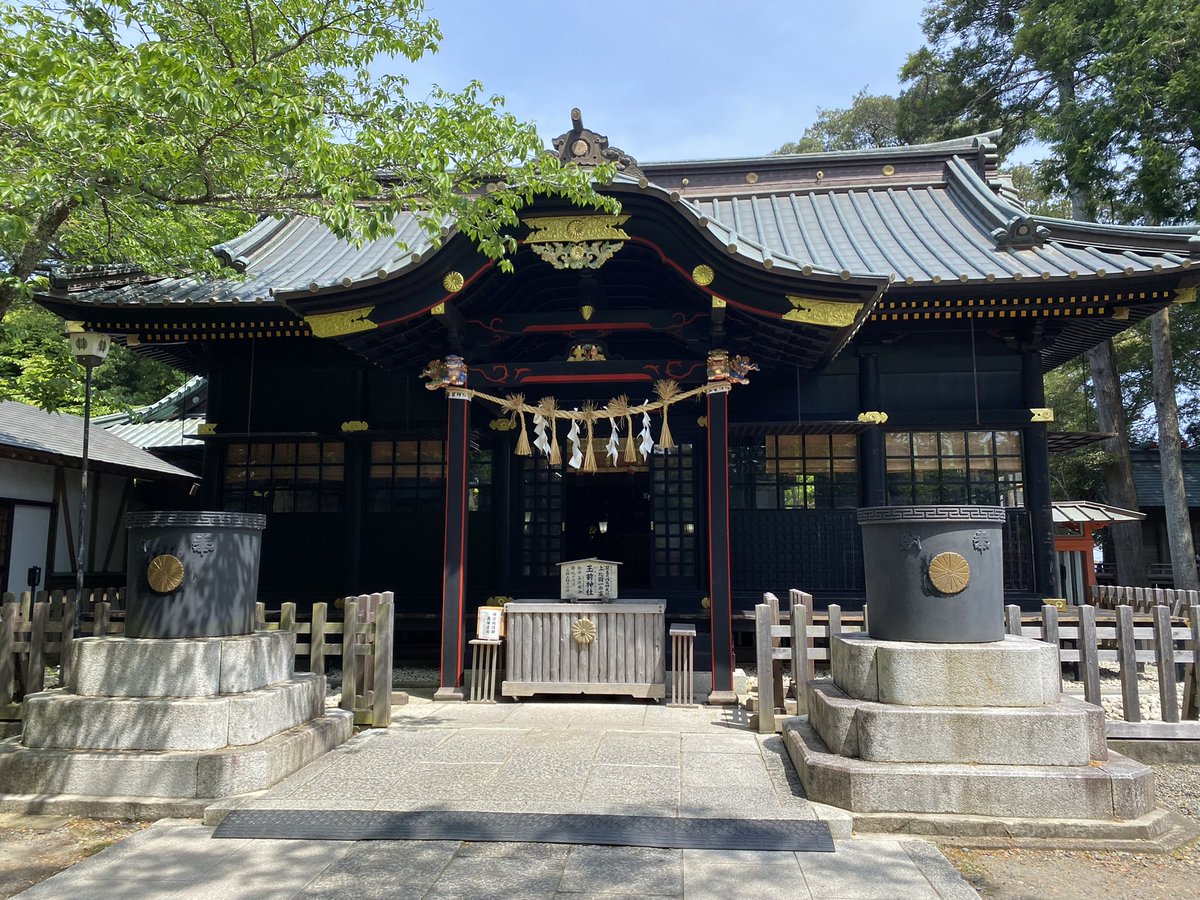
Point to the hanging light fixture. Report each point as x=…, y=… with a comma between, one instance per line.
x=603, y=525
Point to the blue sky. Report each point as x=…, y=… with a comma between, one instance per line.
x=667, y=79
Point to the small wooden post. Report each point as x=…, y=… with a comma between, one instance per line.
x=776, y=664
x=349, y=661
x=1191, y=682
x=1164, y=647
x=35, y=663
x=260, y=616
x=100, y=619
x=381, y=711
x=1050, y=624
x=316, y=638
x=800, y=663
x=287, y=617
x=1012, y=619
x=8, y=669
x=835, y=624
x=1088, y=657
x=766, y=686
x=1127, y=659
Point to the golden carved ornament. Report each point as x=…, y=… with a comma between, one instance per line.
x=1185, y=295
x=703, y=275
x=551, y=229
x=872, y=417
x=355, y=425
x=346, y=321
x=165, y=573
x=829, y=313
x=453, y=282
x=583, y=630
x=949, y=572
x=206, y=428
x=583, y=255
x=502, y=424
x=1041, y=414
x=889, y=170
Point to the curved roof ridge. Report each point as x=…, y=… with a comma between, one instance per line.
x=969, y=142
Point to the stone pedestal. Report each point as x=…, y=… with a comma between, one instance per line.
x=947, y=738
x=149, y=727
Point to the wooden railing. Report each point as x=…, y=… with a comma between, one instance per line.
x=807, y=644
x=36, y=634
x=1156, y=638
x=1110, y=596
x=1128, y=638
x=363, y=640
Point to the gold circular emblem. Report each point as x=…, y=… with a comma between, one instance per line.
x=576, y=252
x=453, y=282
x=576, y=229
x=165, y=573
x=889, y=170
x=703, y=275
x=583, y=630
x=580, y=147
x=751, y=178
x=949, y=572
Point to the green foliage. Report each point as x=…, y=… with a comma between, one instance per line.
x=1111, y=86
x=36, y=367
x=870, y=121
x=144, y=131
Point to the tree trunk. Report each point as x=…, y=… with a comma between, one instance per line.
x=12, y=282
x=1179, y=529
x=1118, y=474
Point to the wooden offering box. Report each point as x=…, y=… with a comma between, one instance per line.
x=585, y=648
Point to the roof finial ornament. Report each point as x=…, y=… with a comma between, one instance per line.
x=585, y=147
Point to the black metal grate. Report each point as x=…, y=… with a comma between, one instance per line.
x=673, y=483
x=621, y=831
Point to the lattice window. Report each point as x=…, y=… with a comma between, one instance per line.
x=673, y=485
x=541, y=517
x=977, y=467
x=407, y=476
x=795, y=471
x=285, y=477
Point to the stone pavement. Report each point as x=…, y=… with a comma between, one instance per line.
x=602, y=757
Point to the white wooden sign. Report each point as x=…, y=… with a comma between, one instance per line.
x=489, y=623
x=588, y=579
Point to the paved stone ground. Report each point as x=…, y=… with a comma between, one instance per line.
x=630, y=758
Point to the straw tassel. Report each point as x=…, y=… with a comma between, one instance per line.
x=589, y=420
x=667, y=390
x=549, y=409
x=514, y=404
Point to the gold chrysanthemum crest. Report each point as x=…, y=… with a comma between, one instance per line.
x=949, y=572
x=583, y=630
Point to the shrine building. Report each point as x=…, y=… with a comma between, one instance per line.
x=820, y=332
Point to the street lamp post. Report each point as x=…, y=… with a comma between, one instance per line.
x=89, y=350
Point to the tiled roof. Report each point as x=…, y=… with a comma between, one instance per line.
x=30, y=430
x=1147, y=477
x=1074, y=511
x=156, y=435
x=936, y=220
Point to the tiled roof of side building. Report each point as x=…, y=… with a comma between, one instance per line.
x=27, y=430
x=1147, y=477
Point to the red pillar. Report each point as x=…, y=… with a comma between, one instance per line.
x=454, y=573
x=720, y=593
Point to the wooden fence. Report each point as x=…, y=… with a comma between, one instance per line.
x=36, y=634
x=363, y=640
x=1155, y=638
x=808, y=644
x=1142, y=599
x=1083, y=643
